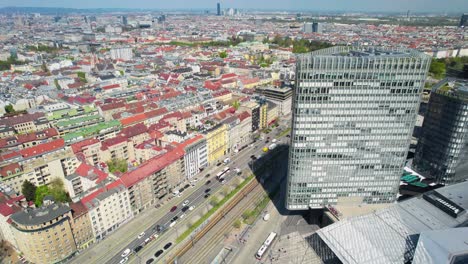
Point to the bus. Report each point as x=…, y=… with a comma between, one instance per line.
x=220, y=176
x=271, y=237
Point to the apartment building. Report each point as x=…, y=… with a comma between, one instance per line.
x=196, y=156
x=45, y=234
x=217, y=142
x=81, y=226
x=89, y=150
x=108, y=208
x=25, y=123
x=117, y=148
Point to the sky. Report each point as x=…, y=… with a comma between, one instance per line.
x=442, y=6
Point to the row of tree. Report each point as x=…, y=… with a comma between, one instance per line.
x=298, y=45
x=439, y=67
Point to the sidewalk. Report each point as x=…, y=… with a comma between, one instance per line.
x=116, y=241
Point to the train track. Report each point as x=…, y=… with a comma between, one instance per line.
x=214, y=220
x=219, y=231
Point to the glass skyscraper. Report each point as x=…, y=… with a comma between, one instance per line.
x=354, y=111
x=442, y=152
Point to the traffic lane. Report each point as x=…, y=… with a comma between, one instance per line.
x=200, y=192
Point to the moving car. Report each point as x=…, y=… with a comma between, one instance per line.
x=184, y=209
x=173, y=208
x=207, y=190
x=124, y=260
x=186, y=202
x=207, y=195
x=142, y=234
x=191, y=208
x=208, y=182
x=138, y=248
x=126, y=253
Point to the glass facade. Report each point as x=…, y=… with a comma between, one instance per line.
x=442, y=152
x=353, y=115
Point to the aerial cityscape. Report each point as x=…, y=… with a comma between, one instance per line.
x=234, y=132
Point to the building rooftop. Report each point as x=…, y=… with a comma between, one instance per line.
x=390, y=235
x=39, y=216
x=361, y=52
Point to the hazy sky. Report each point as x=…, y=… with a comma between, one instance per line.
x=310, y=5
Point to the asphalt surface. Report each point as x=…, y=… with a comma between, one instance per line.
x=239, y=160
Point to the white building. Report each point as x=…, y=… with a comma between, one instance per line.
x=196, y=156
x=123, y=53
x=108, y=208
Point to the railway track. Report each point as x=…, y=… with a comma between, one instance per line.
x=219, y=230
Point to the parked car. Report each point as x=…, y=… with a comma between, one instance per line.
x=186, y=186
x=173, y=208
x=208, y=182
x=158, y=253
x=149, y=261
x=168, y=245
x=207, y=195
x=207, y=175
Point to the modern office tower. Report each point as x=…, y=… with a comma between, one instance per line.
x=464, y=20
x=442, y=152
x=124, y=20
x=316, y=27
x=218, y=9
x=307, y=27
x=124, y=53
x=353, y=115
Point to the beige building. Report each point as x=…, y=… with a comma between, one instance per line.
x=26, y=123
x=90, y=149
x=81, y=224
x=245, y=129
x=272, y=113
x=117, y=148
x=44, y=235
x=108, y=208
x=40, y=165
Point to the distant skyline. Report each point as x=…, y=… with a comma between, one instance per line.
x=451, y=6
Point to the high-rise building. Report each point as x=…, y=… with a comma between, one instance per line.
x=442, y=152
x=464, y=20
x=124, y=20
x=354, y=110
x=218, y=9
x=307, y=27
x=316, y=27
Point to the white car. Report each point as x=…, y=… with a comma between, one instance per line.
x=185, y=203
x=182, y=216
x=141, y=235
x=173, y=224
x=124, y=260
x=126, y=253
x=191, y=208
x=195, y=180
x=223, y=181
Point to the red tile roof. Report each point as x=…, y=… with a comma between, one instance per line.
x=11, y=167
x=138, y=118
x=135, y=130
x=86, y=170
x=112, y=141
x=157, y=112
x=242, y=116
x=112, y=106
x=78, y=147
x=151, y=166
x=43, y=148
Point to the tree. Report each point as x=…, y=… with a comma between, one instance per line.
x=237, y=224
x=57, y=85
x=117, y=165
x=9, y=109
x=82, y=76
x=214, y=201
x=29, y=190
x=55, y=189
x=41, y=192
x=437, y=69
x=223, y=54
x=236, y=104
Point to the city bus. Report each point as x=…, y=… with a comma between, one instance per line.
x=271, y=237
x=220, y=176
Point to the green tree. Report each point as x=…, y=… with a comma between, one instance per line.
x=223, y=54
x=237, y=224
x=437, y=69
x=236, y=104
x=57, y=85
x=41, y=192
x=214, y=201
x=9, y=109
x=82, y=76
x=117, y=165
x=29, y=190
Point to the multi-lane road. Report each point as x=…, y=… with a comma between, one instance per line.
x=196, y=198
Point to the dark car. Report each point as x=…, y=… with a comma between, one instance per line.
x=207, y=190
x=158, y=253
x=173, y=208
x=186, y=186
x=266, y=142
x=181, y=190
x=174, y=219
x=207, y=195
x=184, y=209
x=208, y=182
x=207, y=175
x=219, y=164
x=288, y=136
x=149, y=261
x=138, y=248
x=168, y=245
